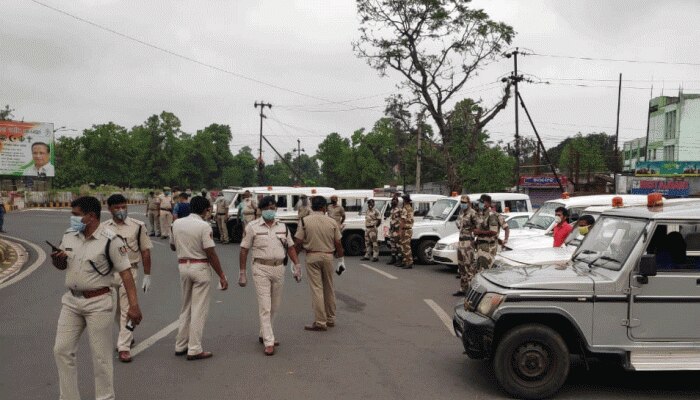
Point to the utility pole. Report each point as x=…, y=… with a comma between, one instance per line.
x=419, y=152
x=262, y=106
x=299, y=150
x=617, y=126
x=515, y=78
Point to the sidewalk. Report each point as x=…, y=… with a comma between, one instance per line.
x=12, y=257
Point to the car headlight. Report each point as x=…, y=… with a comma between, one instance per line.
x=489, y=303
x=452, y=246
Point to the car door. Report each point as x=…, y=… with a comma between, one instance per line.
x=665, y=308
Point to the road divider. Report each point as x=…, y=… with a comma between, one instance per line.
x=441, y=314
x=380, y=272
x=41, y=257
x=153, y=339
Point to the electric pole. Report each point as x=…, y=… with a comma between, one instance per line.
x=515, y=78
x=419, y=152
x=299, y=150
x=261, y=164
x=617, y=126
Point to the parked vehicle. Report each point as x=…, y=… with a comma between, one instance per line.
x=627, y=295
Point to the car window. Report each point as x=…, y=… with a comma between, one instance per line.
x=378, y=204
x=543, y=217
x=516, y=205
x=441, y=209
x=421, y=209
x=676, y=247
x=610, y=242
x=517, y=222
x=281, y=201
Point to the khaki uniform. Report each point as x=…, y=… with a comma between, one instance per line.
x=221, y=218
x=372, y=221
x=487, y=246
x=267, y=244
x=166, y=214
x=153, y=211
x=336, y=212
x=319, y=233
x=394, y=234
x=465, y=249
x=249, y=211
x=191, y=235
x=407, y=233
x=303, y=211
x=86, y=256
x=133, y=232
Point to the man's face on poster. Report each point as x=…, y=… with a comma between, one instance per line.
x=40, y=154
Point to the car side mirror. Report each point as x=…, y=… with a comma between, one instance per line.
x=646, y=268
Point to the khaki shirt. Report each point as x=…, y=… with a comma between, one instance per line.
x=266, y=241
x=221, y=205
x=84, y=252
x=129, y=232
x=467, y=222
x=490, y=220
x=318, y=232
x=395, y=219
x=337, y=213
x=303, y=212
x=407, y=216
x=372, y=219
x=166, y=202
x=153, y=203
x=191, y=235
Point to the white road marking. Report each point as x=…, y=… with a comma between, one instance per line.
x=41, y=257
x=379, y=271
x=153, y=339
x=441, y=314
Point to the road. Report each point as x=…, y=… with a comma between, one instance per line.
x=389, y=341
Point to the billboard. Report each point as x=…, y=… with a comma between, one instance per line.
x=26, y=149
x=667, y=188
x=667, y=168
x=542, y=181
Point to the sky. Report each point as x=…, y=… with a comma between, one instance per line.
x=209, y=62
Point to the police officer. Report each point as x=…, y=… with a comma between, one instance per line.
x=89, y=253
x=221, y=214
x=336, y=211
x=394, y=225
x=304, y=208
x=166, y=212
x=271, y=244
x=247, y=209
x=193, y=240
x=465, y=249
x=489, y=225
x=406, y=232
x=139, y=245
x=372, y=221
x=153, y=208
x=319, y=235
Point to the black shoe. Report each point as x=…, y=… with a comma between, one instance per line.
x=391, y=261
x=458, y=293
x=409, y=266
x=365, y=258
x=181, y=353
x=375, y=259
x=151, y=234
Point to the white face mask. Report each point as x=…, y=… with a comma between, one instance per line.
x=557, y=220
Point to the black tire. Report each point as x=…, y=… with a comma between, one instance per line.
x=354, y=244
x=531, y=362
x=425, y=251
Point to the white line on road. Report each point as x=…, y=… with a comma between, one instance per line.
x=41, y=257
x=153, y=339
x=379, y=271
x=441, y=314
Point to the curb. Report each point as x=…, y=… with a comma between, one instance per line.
x=22, y=257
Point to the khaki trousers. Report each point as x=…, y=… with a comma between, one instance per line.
x=195, y=280
x=121, y=307
x=78, y=313
x=319, y=271
x=269, y=282
x=166, y=219
x=223, y=229
x=154, y=222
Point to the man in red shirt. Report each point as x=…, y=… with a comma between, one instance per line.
x=561, y=226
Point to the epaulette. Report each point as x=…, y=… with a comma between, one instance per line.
x=108, y=234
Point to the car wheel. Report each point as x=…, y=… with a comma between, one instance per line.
x=425, y=251
x=531, y=362
x=354, y=244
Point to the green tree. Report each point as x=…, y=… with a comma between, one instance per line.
x=334, y=154
x=581, y=156
x=242, y=171
x=6, y=113
x=71, y=168
x=436, y=46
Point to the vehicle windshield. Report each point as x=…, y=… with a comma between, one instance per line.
x=544, y=217
x=229, y=196
x=610, y=242
x=441, y=209
x=378, y=204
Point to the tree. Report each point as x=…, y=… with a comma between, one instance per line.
x=6, y=113
x=436, y=46
x=581, y=155
x=333, y=153
x=241, y=172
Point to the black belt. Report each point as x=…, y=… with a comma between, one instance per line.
x=479, y=241
x=463, y=238
x=166, y=209
x=90, y=293
x=221, y=214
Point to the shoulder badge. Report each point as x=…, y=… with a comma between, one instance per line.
x=108, y=233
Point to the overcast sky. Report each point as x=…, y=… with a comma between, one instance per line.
x=55, y=68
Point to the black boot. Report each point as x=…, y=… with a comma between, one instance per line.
x=409, y=266
x=392, y=261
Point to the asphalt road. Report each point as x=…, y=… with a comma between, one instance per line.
x=389, y=343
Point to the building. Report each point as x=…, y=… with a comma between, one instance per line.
x=674, y=128
x=633, y=151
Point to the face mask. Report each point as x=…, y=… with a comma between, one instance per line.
x=334, y=202
x=120, y=215
x=76, y=223
x=481, y=206
x=463, y=206
x=269, y=215
x=167, y=193
x=371, y=206
x=583, y=230
x=557, y=220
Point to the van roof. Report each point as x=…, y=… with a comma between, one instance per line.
x=501, y=196
x=601, y=200
x=421, y=197
x=684, y=210
x=350, y=193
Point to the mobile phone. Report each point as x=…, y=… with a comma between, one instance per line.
x=54, y=248
x=130, y=325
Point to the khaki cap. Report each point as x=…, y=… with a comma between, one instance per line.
x=464, y=199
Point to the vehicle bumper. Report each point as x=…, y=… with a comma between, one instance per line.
x=476, y=332
x=445, y=256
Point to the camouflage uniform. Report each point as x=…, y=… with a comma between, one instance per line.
x=407, y=233
x=394, y=223
x=487, y=246
x=465, y=249
x=372, y=222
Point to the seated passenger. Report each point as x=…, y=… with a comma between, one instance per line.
x=671, y=254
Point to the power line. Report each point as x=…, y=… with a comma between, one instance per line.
x=693, y=64
x=181, y=56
